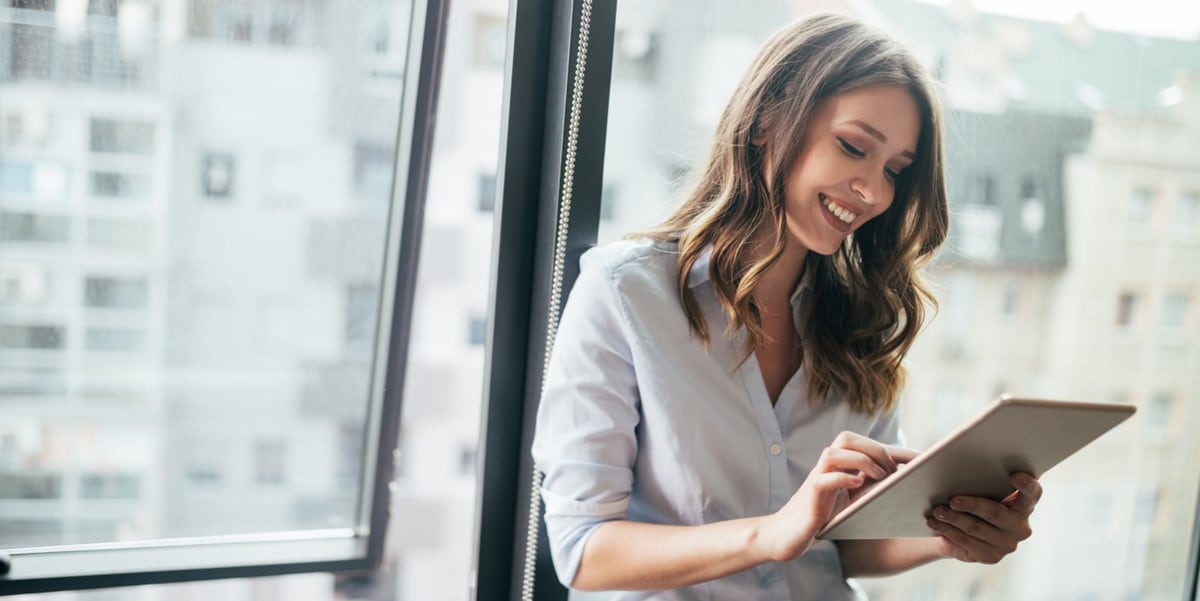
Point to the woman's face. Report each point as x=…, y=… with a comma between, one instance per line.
x=855, y=145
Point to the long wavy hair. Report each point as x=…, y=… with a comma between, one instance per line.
x=869, y=301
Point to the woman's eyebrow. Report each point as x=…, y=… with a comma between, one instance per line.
x=878, y=135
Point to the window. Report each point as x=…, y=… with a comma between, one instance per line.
x=1127, y=305
x=373, y=172
x=1175, y=310
x=487, y=192
x=217, y=175
x=1012, y=298
x=361, y=304
x=322, y=228
x=141, y=400
x=30, y=486
x=118, y=185
x=33, y=337
x=477, y=330
x=115, y=293
x=1140, y=210
x=109, y=486
x=33, y=227
x=270, y=462
x=122, y=136
x=1187, y=214
x=41, y=181
x=1159, y=413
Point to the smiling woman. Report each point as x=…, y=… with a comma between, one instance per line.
x=721, y=384
x=1024, y=308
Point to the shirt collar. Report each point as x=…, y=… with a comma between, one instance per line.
x=699, y=274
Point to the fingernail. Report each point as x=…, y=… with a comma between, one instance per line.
x=941, y=513
x=957, y=503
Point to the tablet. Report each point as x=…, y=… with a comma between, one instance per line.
x=1011, y=435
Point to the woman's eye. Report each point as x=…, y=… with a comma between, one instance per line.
x=851, y=149
x=892, y=174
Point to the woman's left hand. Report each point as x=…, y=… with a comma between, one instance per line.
x=975, y=529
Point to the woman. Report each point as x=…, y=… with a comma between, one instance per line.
x=723, y=384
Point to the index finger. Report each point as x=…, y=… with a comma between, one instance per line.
x=901, y=454
x=880, y=453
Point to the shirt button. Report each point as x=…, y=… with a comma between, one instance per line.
x=776, y=449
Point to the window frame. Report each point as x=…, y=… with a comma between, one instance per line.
x=359, y=548
x=540, y=72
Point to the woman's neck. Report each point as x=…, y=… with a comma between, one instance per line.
x=774, y=289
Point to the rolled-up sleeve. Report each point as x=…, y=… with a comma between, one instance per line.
x=585, y=441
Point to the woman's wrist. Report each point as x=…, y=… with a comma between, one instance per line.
x=772, y=540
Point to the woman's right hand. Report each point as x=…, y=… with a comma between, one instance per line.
x=845, y=466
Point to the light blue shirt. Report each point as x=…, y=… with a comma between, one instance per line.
x=639, y=421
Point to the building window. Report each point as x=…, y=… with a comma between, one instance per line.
x=1187, y=216
x=111, y=184
x=1141, y=208
x=466, y=460
x=349, y=455
x=124, y=340
x=477, y=330
x=115, y=293
x=360, y=313
x=635, y=54
x=487, y=192
x=123, y=137
x=1012, y=298
x=1126, y=309
x=32, y=381
x=983, y=190
x=1162, y=405
x=30, y=486
x=110, y=486
x=373, y=172
x=1147, y=507
x=1175, y=310
x=32, y=227
x=609, y=196
x=216, y=175
x=32, y=51
x=270, y=458
x=34, y=337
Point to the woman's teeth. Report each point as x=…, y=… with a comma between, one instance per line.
x=839, y=212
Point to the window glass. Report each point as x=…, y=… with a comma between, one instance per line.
x=186, y=341
x=1053, y=142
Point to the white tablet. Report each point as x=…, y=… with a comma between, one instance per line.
x=1011, y=435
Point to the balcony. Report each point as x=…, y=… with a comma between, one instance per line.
x=99, y=52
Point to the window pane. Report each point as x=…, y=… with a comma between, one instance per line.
x=1057, y=274
x=190, y=276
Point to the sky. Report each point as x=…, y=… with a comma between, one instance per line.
x=1167, y=18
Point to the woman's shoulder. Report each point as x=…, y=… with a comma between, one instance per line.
x=637, y=259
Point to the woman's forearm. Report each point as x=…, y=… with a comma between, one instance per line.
x=886, y=557
x=638, y=556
